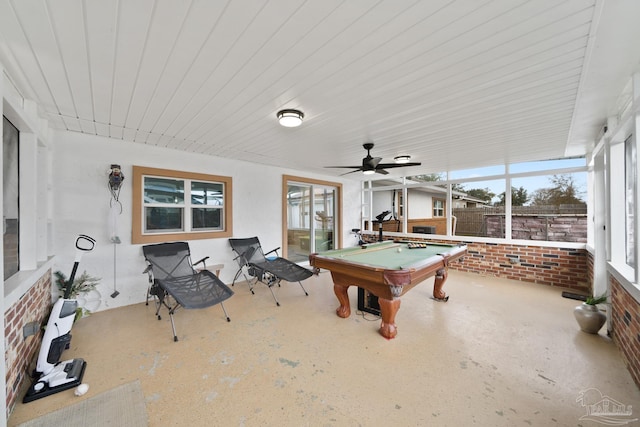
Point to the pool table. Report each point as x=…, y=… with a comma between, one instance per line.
x=388, y=270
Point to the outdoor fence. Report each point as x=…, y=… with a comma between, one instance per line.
x=562, y=223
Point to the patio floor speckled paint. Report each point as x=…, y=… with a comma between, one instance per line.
x=499, y=353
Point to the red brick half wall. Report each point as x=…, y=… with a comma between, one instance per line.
x=625, y=318
x=567, y=268
x=33, y=306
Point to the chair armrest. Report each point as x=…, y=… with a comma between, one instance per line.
x=149, y=272
x=273, y=250
x=202, y=261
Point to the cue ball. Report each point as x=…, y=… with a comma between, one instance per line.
x=399, y=249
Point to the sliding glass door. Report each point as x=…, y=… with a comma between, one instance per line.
x=311, y=218
x=298, y=224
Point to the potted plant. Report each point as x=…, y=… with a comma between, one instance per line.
x=589, y=316
x=80, y=286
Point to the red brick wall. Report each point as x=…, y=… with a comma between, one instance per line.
x=565, y=268
x=590, y=270
x=34, y=306
x=625, y=316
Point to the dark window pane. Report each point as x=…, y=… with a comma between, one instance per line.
x=163, y=219
x=163, y=190
x=10, y=208
x=207, y=193
x=203, y=218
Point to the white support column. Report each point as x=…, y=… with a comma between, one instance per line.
x=405, y=206
x=28, y=200
x=599, y=214
x=635, y=107
x=3, y=368
x=42, y=201
x=507, y=204
x=50, y=201
x=617, y=224
x=449, y=211
x=607, y=192
x=369, y=217
x=448, y=207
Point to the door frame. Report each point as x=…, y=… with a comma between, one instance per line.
x=286, y=180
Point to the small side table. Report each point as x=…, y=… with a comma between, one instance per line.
x=212, y=267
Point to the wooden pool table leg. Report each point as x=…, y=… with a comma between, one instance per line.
x=343, y=297
x=388, y=310
x=441, y=277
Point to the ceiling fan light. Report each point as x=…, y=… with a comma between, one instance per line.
x=368, y=172
x=402, y=159
x=290, y=118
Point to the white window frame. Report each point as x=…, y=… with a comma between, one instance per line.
x=439, y=212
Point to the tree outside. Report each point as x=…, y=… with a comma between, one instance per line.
x=519, y=197
x=562, y=192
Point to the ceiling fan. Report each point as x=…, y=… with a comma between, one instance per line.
x=372, y=165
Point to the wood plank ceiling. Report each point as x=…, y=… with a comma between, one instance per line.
x=454, y=84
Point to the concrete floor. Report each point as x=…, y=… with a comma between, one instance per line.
x=499, y=353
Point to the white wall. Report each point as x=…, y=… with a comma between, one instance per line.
x=382, y=201
x=81, y=206
x=419, y=204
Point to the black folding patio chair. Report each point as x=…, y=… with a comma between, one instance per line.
x=256, y=266
x=175, y=283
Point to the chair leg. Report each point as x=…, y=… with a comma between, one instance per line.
x=274, y=296
x=225, y=312
x=236, y=276
x=251, y=284
x=149, y=294
x=247, y=279
x=158, y=305
x=173, y=326
x=305, y=291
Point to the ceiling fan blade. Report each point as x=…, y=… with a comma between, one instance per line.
x=397, y=165
x=353, y=171
x=371, y=162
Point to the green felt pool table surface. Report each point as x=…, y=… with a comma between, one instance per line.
x=386, y=254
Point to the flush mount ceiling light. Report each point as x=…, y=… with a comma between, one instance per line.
x=402, y=159
x=290, y=118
